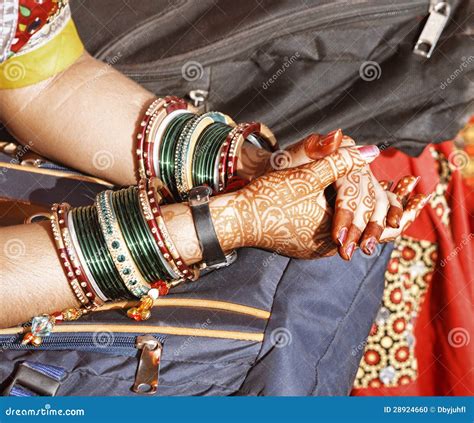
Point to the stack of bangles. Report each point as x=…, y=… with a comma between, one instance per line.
x=120, y=248
x=185, y=150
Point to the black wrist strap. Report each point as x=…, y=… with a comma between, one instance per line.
x=211, y=249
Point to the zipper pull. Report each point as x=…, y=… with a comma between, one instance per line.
x=198, y=99
x=146, y=379
x=433, y=29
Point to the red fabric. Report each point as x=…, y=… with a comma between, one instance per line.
x=31, y=18
x=442, y=368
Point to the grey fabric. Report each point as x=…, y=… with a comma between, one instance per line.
x=302, y=71
x=324, y=307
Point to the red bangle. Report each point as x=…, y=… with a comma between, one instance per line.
x=187, y=272
x=147, y=202
x=75, y=281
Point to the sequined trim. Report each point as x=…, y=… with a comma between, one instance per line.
x=53, y=27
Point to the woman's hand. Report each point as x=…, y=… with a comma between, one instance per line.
x=286, y=211
x=364, y=208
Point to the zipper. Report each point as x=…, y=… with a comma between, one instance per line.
x=146, y=378
x=329, y=14
x=150, y=347
x=434, y=26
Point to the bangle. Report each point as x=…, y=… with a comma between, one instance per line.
x=206, y=154
x=141, y=137
x=85, y=283
x=81, y=259
x=173, y=106
x=186, y=146
x=187, y=272
x=147, y=201
x=63, y=254
x=117, y=246
x=255, y=131
x=138, y=236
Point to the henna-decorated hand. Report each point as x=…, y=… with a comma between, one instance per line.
x=286, y=211
x=363, y=207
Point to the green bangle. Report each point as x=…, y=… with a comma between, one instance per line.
x=168, y=151
x=117, y=246
x=137, y=235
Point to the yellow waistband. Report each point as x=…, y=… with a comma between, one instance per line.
x=44, y=62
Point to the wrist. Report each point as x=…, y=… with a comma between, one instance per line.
x=253, y=162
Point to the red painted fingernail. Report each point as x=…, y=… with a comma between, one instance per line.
x=330, y=137
x=342, y=235
x=369, y=151
x=370, y=245
x=350, y=250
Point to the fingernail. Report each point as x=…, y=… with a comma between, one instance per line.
x=330, y=137
x=412, y=186
x=370, y=245
x=350, y=250
x=311, y=143
x=342, y=235
x=369, y=152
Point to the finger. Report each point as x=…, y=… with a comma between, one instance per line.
x=364, y=207
x=402, y=191
x=386, y=185
x=347, y=142
x=313, y=147
x=405, y=187
x=376, y=225
x=395, y=211
x=412, y=210
x=343, y=161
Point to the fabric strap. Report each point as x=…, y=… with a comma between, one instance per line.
x=35, y=379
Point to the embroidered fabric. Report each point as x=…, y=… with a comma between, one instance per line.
x=22, y=35
x=9, y=19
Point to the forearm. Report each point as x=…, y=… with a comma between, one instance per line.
x=86, y=118
x=32, y=281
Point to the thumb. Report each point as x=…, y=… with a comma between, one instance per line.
x=345, y=160
x=314, y=147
